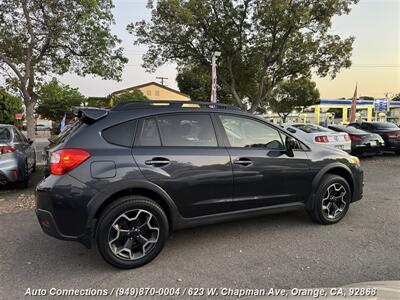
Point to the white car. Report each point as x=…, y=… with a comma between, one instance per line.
x=320, y=135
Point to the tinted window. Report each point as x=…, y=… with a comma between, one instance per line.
x=248, y=133
x=5, y=134
x=68, y=131
x=185, y=130
x=385, y=126
x=147, y=133
x=121, y=135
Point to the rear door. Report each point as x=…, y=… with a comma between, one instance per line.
x=181, y=154
x=264, y=175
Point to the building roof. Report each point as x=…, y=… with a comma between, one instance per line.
x=148, y=84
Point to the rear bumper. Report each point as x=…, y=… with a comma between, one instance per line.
x=9, y=171
x=61, y=209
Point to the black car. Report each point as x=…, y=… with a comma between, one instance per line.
x=388, y=131
x=127, y=177
x=362, y=142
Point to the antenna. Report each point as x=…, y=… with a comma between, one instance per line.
x=162, y=79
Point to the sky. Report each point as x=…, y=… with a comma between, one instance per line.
x=376, y=56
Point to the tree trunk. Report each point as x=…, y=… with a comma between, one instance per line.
x=30, y=117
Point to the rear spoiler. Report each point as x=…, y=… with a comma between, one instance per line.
x=90, y=115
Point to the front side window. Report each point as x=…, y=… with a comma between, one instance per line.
x=248, y=133
x=187, y=130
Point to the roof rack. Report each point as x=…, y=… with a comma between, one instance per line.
x=135, y=104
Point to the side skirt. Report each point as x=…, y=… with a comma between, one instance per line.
x=181, y=223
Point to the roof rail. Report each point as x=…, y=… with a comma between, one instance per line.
x=135, y=104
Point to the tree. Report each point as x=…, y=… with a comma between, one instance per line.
x=100, y=102
x=261, y=42
x=56, y=99
x=195, y=81
x=293, y=94
x=43, y=37
x=9, y=106
x=396, y=97
x=128, y=96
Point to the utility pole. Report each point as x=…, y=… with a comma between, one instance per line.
x=214, y=77
x=162, y=79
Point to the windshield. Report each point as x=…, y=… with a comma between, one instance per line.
x=5, y=134
x=309, y=128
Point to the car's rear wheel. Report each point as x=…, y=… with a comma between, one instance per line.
x=131, y=232
x=332, y=200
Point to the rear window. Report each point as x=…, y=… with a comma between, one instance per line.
x=5, y=134
x=65, y=133
x=121, y=134
x=309, y=128
x=385, y=126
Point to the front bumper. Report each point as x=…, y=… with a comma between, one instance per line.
x=358, y=185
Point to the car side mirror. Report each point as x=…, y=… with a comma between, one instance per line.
x=290, y=146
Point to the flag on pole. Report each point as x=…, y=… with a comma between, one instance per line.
x=62, y=126
x=354, y=106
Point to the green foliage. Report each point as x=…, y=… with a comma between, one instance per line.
x=45, y=37
x=195, y=81
x=100, y=102
x=293, y=94
x=261, y=42
x=56, y=99
x=128, y=96
x=9, y=106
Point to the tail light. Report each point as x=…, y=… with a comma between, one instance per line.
x=392, y=135
x=7, y=149
x=347, y=138
x=356, y=138
x=65, y=160
x=322, y=139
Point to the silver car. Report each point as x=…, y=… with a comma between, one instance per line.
x=17, y=156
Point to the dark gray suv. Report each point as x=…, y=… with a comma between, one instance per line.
x=127, y=177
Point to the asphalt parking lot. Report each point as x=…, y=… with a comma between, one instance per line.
x=281, y=251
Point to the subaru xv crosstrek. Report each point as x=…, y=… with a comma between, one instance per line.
x=124, y=178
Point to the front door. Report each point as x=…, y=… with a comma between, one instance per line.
x=264, y=174
x=181, y=154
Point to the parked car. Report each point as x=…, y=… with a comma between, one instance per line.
x=362, y=142
x=316, y=134
x=388, y=131
x=17, y=156
x=129, y=176
x=42, y=127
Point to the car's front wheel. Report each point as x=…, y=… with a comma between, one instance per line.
x=132, y=232
x=332, y=200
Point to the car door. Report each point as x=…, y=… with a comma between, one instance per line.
x=181, y=154
x=264, y=174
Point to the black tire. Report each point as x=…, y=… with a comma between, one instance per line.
x=332, y=182
x=113, y=213
x=397, y=152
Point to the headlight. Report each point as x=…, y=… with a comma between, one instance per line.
x=354, y=161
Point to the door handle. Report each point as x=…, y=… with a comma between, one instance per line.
x=158, y=162
x=245, y=162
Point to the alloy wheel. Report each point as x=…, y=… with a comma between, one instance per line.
x=334, y=201
x=133, y=234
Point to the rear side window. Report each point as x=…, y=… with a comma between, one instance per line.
x=121, y=134
x=147, y=134
x=187, y=130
